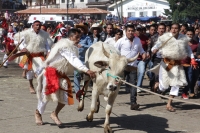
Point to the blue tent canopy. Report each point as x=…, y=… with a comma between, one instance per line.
x=133, y=18
x=149, y=18
x=143, y=18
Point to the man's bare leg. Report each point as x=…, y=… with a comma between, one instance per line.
x=24, y=73
x=38, y=118
x=32, y=90
x=169, y=104
x=54, y=114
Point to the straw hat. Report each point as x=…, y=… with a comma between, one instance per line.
x=81, y=25
x=95, y=25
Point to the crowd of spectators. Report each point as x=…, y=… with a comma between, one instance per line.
x=148, y=32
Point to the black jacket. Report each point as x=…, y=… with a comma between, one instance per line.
x=198, y=50
x=154, y=38
x=196, y=38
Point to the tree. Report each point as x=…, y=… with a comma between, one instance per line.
x=183, y=10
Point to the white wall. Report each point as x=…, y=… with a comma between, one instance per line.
x=95, y=0
x=77, y=4
x=137, y=7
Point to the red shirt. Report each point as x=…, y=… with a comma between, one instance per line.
x=143, y=40
x=194, y=46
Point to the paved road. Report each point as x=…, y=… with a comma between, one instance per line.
x=17, y=108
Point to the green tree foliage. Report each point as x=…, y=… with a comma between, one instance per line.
x=183, y=10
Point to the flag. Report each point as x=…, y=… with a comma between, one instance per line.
x=56, y=30
x=102, y=23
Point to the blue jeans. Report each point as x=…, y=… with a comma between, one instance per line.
x=191, y=76
x=150, y=65
x=77, y=81
x=154, y=78
x=131, y=77
x=140, y=73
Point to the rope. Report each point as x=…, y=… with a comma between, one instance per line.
x=165, y=42
x=120, y=80
x=108, y=74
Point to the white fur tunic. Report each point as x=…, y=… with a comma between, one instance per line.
x=176, y=49
x=34, y=43
x=63, y=57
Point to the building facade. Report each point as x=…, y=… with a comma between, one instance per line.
x=139, y=8
x=84, y=3
x=42, y=3
x=101, y=4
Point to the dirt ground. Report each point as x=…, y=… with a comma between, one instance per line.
x=17, y=107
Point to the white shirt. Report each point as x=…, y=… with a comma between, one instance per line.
x=158, y=45
x=95, y=40
x=73, y=59
x=108, y=36
x=129, y=49
x=110, y=41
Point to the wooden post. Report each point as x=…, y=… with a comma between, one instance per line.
x=67, y=9
x=117, y=10
x=121, y=12
x=40, y=5
x=47, y=1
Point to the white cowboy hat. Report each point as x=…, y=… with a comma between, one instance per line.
x=95, y=25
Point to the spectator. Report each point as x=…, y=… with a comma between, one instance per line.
x=168, y=28
x=197, y=37
x=113, y=40
x=196, y=30
x=184, y=28
x=152, y=31
x=84, y=44
x=155, y=57
x=108, y=33
x=129, y=46
x=141, y=63
x=95, y=30
x=191, y=74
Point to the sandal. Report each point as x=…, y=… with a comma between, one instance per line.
x=170, y=109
